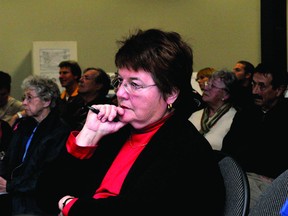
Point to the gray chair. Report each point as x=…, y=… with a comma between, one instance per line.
x=273, y=198
x=236, y=185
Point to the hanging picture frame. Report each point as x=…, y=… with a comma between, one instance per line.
x=48, y=54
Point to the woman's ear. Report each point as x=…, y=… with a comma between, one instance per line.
x=226, y=96
x=46, y=103
x=173, y=96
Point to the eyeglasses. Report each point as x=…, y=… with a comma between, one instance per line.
x=29, y=98
x=261, y=86
x=130, y=87
x=86, y=77
x=210, y=85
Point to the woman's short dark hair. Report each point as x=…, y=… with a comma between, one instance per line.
x=167, y=57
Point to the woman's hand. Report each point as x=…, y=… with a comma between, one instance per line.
x=99, y=125
x=3, y=184
x=64, y=201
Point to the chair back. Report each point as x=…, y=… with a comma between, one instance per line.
x=236, y=185
x=273, y=197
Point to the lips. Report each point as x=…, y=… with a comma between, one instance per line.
x=124, y=107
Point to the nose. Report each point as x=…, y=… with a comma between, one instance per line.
x=121, y=91
x=81, y=79
x=255, y=89
x=24, y=102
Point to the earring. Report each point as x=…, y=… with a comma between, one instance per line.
x=169, y=106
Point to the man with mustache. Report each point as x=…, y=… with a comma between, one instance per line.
x=257, y=138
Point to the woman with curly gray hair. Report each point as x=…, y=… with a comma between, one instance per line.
x=45, y=89
x=37, y=140
x=215, y=119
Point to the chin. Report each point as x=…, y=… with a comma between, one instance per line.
x=258, y=102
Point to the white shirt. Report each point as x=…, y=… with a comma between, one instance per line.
x=219, y=130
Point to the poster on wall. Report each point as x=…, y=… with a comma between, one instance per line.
x=48, y=54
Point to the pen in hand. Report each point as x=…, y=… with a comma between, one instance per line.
x=93, y=109
x=97, y=111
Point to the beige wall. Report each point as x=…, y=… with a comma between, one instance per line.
x=220, y=31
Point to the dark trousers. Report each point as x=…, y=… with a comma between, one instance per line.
x=5, y=205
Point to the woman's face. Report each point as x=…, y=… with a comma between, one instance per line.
x=201, y=81
x=33, y=104
x=140, y=98
x=214, y=92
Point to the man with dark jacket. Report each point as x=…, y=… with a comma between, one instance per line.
x=257, y=137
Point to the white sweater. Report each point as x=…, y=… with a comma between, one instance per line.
x=219, y=130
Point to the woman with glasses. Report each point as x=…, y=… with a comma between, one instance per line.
x=203, y=76
x=37, y=140
x=151, y=159
x=215, y=119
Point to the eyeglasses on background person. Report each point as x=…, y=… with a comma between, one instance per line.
x=88, y=77
x=29, y=98
x=211, y=85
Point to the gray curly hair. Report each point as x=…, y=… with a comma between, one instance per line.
x=45, y=88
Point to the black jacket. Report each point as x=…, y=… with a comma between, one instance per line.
x=258, y=140
x=49, y=139
x=175, y=173
x=5, y=137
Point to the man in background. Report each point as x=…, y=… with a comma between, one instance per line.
x=257, y=137
x=244, y=72
x=93, y=88
x=69, y=76
x=9, y=106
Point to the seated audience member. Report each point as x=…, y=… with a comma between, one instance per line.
x=244, y=71
x=9, y=106
x=5, y=137
x=37, y=140
x=143, y=161
x=257, y=137
x=69, y=76
x=203, y=76
x=215, y=119
x=93, y=88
